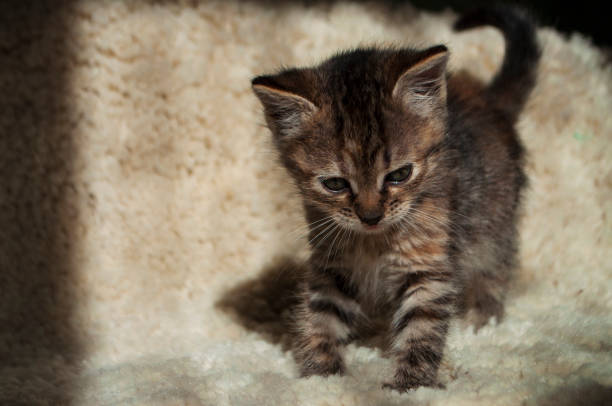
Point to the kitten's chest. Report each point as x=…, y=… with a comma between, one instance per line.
x=378, y=268
x=372, y=272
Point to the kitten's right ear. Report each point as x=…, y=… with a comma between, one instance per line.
x=285, y=105
x=422, y=86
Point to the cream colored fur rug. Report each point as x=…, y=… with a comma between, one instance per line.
x=164, y=280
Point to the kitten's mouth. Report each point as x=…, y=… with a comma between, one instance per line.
x=374, y=228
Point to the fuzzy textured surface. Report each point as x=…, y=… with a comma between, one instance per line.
x=148, y=235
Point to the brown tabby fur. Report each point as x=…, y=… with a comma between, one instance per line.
x=419, y=251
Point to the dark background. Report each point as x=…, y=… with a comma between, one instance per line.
x=587, y=17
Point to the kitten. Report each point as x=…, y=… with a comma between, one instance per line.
x=411, y=180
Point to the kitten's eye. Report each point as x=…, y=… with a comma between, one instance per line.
x=399, y=175
x=335, y=184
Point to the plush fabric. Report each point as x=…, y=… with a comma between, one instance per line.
x=149, y=239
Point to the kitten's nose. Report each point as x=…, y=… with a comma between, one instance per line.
x=368, y=206
x=371, y=218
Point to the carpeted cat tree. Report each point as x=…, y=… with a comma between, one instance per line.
x=149, y=239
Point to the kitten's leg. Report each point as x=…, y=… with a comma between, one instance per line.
x=426, y=302
x=485, y=293
x=327, y=320
x=487, y=278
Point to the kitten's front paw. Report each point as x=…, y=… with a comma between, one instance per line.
x=403, y=381
x=323, y=365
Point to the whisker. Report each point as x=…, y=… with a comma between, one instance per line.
x=304, y=226
x=343, y=232
x=423, y=216
x=329, y=230
x=332, y=244
x=305, y=233
x=447, y=226
x=347, y=240
x=321, y=232
x=320, y=225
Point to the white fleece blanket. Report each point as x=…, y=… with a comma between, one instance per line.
x=184, y=227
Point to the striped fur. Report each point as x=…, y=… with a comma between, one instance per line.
x=419, y=223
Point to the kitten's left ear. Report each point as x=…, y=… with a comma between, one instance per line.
x=422, y=87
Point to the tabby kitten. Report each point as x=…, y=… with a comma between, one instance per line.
x=411, y=180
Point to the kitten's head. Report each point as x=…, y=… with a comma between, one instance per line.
x=361, y=133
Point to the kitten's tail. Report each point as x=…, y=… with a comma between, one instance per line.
x=512, y=85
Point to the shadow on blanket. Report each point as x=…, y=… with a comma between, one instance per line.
x=589, y=393
x=266, y=304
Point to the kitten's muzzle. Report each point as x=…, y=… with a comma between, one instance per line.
x=368, y=207
x=371, y=218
